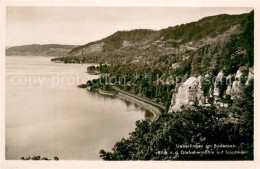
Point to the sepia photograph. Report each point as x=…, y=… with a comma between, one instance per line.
x=128, y=83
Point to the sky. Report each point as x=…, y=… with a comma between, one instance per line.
x=80, y=25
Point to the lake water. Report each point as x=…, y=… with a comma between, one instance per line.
x=47, y=115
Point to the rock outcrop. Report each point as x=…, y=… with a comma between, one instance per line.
x=191, y=91
x=186, y=94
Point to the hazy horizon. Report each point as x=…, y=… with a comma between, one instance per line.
x=81, y=25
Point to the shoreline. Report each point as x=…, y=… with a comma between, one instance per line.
x=106, y=93
x=125, y=96
x=154, y=110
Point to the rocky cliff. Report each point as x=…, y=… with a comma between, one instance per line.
x=221, y=89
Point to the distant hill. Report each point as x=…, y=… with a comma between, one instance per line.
x=115, y=41
x=39, y=50
x=147, y=46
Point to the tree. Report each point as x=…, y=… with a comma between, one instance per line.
x=199, y=125
x=243, y=110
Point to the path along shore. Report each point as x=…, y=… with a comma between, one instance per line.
x=154, y=108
